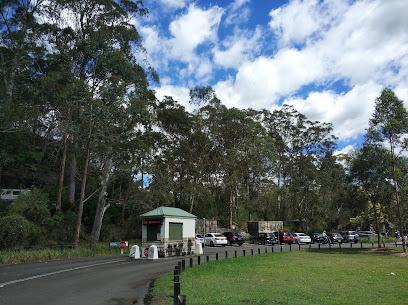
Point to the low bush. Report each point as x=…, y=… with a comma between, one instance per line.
x=17, y=232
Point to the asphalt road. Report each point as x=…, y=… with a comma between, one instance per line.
x=104, y=281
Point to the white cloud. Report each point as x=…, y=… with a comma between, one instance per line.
x=179, y=94
x=348, y=112
x=236, y=49
x=345, y=150
x=176, y=4
x=193, y=29
x=237, y=12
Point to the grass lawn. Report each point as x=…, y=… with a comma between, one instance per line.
x=346, y=276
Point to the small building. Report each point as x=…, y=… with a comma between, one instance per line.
x=172, y=230
x=255, y=227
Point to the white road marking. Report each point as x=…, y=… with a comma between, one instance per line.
x=56, y=272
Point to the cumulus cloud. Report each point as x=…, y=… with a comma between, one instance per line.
x=189, y=31
x=176, y=4
x=238, y=13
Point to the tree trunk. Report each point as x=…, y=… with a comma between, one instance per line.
x=401, y=228
x=231, y=208
x=130, y=179
x=63, y=162
x=72, y=175
x=101, y=208
x=82, y=197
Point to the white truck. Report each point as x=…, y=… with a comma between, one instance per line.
x=9, y=195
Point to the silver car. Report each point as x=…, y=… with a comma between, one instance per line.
x=350, y=236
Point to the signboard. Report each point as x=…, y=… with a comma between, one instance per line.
x=152, y=222
x=122, y=245
x=146, y=252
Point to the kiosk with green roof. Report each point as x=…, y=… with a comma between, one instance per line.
x=172, y=230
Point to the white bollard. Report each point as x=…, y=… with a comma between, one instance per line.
x=198, y=249
x=153, y=254
x=134, y=252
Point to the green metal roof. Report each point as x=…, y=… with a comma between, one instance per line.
x=168, y=212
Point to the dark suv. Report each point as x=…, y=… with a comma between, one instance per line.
x=234, y=238
x=264, y=238
x=335, y=237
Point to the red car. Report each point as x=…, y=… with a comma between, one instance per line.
x=285, y=237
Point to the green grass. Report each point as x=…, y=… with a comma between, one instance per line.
x=346, y=276
x=55, y=253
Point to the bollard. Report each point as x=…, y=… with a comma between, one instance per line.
x=226, y=254
x=319, y=246
x=176, y=292
x=396, y=245
x=266, y=250
x=191, y=262
x=198, y=260
x=281, y=248
x=243, y=252
x=361, y=245
x=259, y=250
x=216, y=256
x=176, y=278
x=329, y=245
x=179, y=267
x=182, y=299
x=252, y=251
x=372, y=245
x=290, y=247
x=208, y=258
x=351, y=245
x=339, y=245
x=299, y=247
x=183, y=265
x=235, y=253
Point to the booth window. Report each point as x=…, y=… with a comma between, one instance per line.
x=175, y=231
x=153, y=231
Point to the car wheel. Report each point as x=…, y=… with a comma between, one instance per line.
x=211, y=243
x=223, y=245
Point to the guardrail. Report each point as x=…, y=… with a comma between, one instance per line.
x=181, y=299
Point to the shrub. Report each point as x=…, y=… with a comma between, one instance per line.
x=33, y=206
x=16, y=232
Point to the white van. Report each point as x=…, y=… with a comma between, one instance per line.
x=9, y=195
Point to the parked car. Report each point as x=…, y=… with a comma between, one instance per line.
x=234, y=238
x=199, y=238
x=9, y=195
x=316, y=237
x=350, y=236
x=300, y=238
x=335, y=237
x=264, y=238
x=215, y=239
x=285, y=237
x=366, y=233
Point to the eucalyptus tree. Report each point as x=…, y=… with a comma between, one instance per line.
x=390, y=121
x=300, y=144
x=370, y=169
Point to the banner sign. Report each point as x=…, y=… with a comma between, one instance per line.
x=152, y=222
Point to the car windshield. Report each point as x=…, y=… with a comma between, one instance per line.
x=270, y=234
x=301, y=234
x=352, y=232
x=287, y=234
x=199, y=235
x=218, y=235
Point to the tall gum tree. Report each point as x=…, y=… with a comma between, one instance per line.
x=390, y=120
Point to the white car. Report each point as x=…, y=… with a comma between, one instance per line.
x=215, y=239
x=199, y=238
x=301, y=238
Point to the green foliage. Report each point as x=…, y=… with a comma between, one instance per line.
x=16, y=232
x=34, y=206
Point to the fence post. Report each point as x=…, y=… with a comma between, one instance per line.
x=290, y=247
x=235, y=253
x=252, y=251
x=198, y=260
x=191, y=262
x=299, y=247
x=329, y=245
x=259, y=250
x=179, y=267
x=361, y=245
x=266, y=250
x=319, y=246
x=208, y=258
x=351, y=245
x=176, y=292
x=281, y=248
x=216, y=256
x=339, y=245
x=226, y=254
x=183, y=265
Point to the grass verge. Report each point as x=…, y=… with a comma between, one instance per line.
x=346, y=276
x=47, y=254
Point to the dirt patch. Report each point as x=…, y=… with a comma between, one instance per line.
x=386, y=251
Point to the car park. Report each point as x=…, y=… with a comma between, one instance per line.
x=301, y=238
x=199, y=238
x=335, y=237
x=264, y=238
x=350, y=236
x=316, y=237
x=215, y=239
x=234, y=238
x=285, y=237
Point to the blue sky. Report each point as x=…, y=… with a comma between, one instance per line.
x=329, y=59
